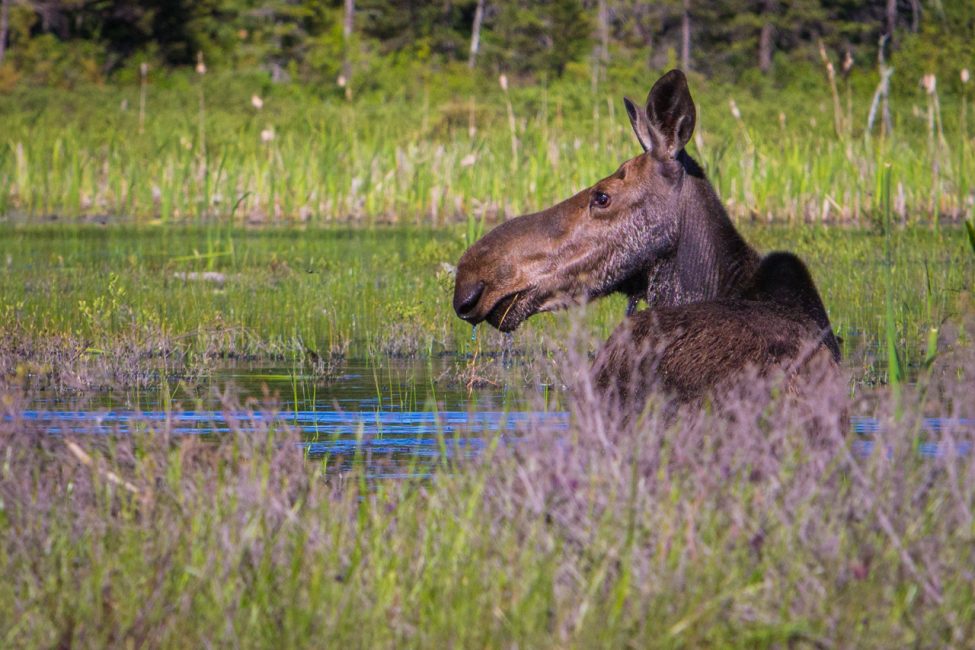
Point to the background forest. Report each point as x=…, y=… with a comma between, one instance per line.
x=367, y=44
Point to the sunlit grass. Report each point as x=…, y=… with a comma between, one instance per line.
x=198, y=295
x=471, y=151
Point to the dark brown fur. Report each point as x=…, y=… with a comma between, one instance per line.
x=656, y=231
x=690, y=349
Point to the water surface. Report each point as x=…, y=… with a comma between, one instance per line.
x=396, y=419
x=405, y=412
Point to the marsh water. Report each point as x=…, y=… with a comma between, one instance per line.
x=394, y=418
x=396, y=394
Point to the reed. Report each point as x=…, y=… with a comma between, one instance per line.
x=143, y=92
x=895, y=371
x=67, y=153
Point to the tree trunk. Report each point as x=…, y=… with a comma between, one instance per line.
x=476, y=33
x=765, y=37
x=603, y=36
x=891, y=18
x=685, y=36
x=4, y=27
x=347, y=24
x=643, y=30
x=649, y=41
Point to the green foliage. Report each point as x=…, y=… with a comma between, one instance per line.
x=302, y=39
x=418, y=29
x=540, y=36
x=944, y=45
x=46, y=60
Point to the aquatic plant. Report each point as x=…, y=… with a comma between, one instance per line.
x=82, y=299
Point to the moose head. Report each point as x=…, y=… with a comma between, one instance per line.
x=653, y=230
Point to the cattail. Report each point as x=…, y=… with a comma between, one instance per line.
x=929, y=82
x=257, y=102
x=512, y=126
x=201, y=67
x=341, y=81
x=144, y=73
x=965, y=75
x=734, y=109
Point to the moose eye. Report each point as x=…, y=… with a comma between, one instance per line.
x=600, y=199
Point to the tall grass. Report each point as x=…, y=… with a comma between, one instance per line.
x=701, y=531
x=895, y=372
x=411, y=154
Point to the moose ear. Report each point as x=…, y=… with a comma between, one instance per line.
x=671, y=112
x=638, y=120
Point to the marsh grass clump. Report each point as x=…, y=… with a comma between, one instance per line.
x=712, y=527
x=68, y=364
x=325, y=365
x=500, y=360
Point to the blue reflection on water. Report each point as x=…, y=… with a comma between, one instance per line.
x=867, y=427
x=422, y=434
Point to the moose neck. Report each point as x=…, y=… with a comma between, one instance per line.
x=711, y=260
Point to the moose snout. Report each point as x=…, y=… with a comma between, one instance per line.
x=466, y=297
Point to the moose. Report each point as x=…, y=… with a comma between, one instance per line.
x=655, y=230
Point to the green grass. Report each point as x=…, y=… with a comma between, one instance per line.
x=409, y=155
x=386, y=291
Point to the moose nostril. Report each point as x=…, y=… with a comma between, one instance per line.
x=465, y=298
